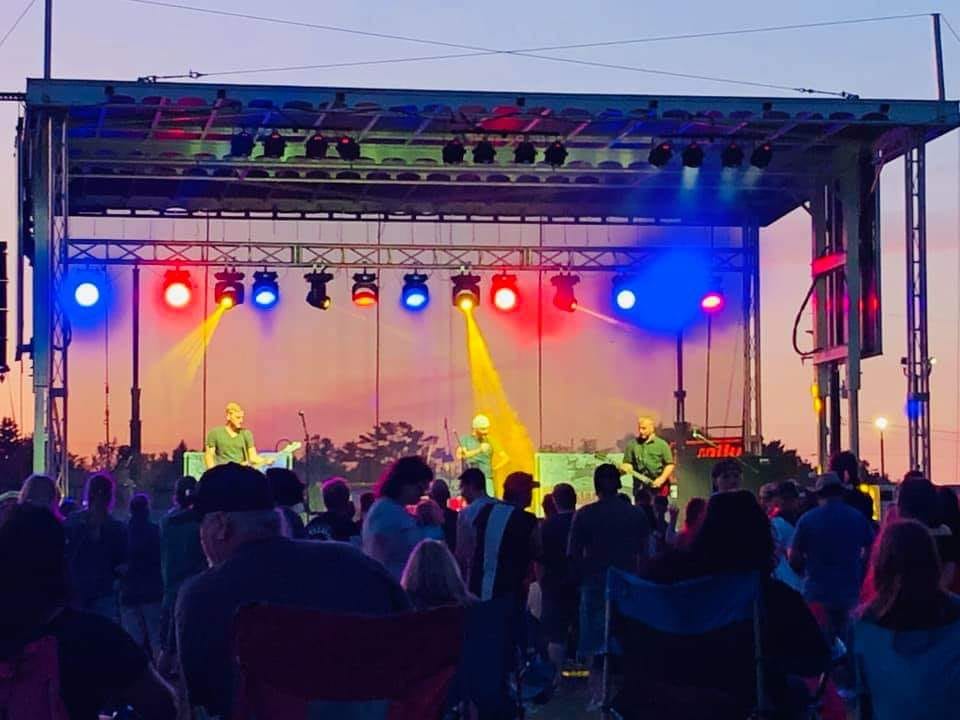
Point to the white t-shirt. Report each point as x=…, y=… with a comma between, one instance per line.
x=389, y=535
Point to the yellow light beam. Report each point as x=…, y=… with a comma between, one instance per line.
x=181, y=363
x=508, y=433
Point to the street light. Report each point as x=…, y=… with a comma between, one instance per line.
x=881, y=424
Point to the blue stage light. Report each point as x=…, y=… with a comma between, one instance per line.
x=624, y=295
x=415, y=295
x=266, y=291
x=87, y=294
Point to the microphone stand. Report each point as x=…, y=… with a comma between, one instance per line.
x=306, y=463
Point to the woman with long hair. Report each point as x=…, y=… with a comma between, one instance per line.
x=432, y=577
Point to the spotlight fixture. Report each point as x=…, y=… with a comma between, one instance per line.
x=415, y=294
x=692, y=155
x=525, y=153
x=503, y=292
x=466, y=291
x=564, y=298
x=274, y=144
x=732, y=156
x=660, y=154
x=712, y=302
x=348, y=149
x=241, y=144
x=86, y=294
x=266, y=290
x=484, y=152
x=761, y=155
x=228, y=292
x=556, y=153
x=177, y=288
x=316, y=146
x=317, y=294
x=624, y=295
x=454, y=152
x=365, y=292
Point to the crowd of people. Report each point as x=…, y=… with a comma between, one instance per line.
x=140, y=612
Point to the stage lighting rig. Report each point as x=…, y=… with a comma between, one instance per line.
x=484, y=152
x=348, y=149
x=365, y=291
x=316, y=146
x=415, y=294
x=692, y=155
x=624, y=295
x=503, y=292
x=177, y=288
x=454, y=152
x=266, y=290
x=317, y=294
x=732, y=156
x=556, y=153
x=564, y=298
x=228, y=291
x=761, y=156
x=525, y=153
x=466, y=291
x=712, y=302
x=86, y=294
x=660, y=154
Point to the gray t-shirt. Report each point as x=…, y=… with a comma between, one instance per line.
x=228, y=447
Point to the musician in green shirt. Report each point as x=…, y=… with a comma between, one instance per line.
x=648, y=455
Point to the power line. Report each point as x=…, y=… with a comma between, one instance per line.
x=944, y=18
x=17, y=22
x=477, y=51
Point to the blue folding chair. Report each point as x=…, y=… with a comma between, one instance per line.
x=666, y=639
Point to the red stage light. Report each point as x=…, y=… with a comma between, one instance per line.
x=177, y=288
x=365, y=290
x=504, y=293
x=712, y=302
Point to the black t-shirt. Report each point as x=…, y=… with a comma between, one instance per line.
x=98, y=660
x=608, y=533
x=332, y=526
x=554, y=541
x=506, y=542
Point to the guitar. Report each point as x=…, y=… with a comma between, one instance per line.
x=268, y=461
x=645, y=480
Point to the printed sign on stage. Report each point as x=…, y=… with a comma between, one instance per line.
x=194, y=467
x=574, y=468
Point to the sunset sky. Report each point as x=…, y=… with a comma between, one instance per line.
x=595, y=376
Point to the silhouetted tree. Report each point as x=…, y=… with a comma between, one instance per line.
x=367, y=456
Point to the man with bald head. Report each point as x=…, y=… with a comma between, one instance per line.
x=649, y=456
x=231, y=442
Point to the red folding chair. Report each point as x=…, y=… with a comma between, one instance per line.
x=296, y=663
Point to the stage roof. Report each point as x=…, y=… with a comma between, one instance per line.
x=163, y=148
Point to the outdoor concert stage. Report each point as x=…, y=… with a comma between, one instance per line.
x=628, y=176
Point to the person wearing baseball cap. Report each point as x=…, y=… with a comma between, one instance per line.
x=829, y=552
x=476, y=450
x=252, y=562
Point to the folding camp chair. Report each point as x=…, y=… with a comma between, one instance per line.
x=296, y=664
x=660, y=633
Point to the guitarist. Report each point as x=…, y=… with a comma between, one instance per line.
x=231, y=442
x=650, y=456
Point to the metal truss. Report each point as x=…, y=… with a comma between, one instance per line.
x=582, y=258
x=752, y=427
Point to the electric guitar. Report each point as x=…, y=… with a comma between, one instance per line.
x=267, y=462
x=640, y=477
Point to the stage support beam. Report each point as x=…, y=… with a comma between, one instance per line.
x=918, y=364
x=851, y=199
x=752, y=432
x=136, y=444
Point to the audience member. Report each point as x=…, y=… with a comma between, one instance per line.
x=99, y=664
x=429, y=516
x=251, y=561
x=949, y=509
x=692, y=517
x=829, y=550
x=439, y=492
x=847, y=467
x=42, y=491
x=473, y=489
x=917, y=499
x=367, y=499
x=336, y=521
x=8, y=501
x=389, y=531
x=783, y=510
x=141, y=588
x=288, y=495
x=643, y=498
x=506, y=542
x=432, y=578
x=96, y=549
x=181, y=557
x=604, y=534
x=67, y=507
x=907, y=637
x=557, y=584
x=549, y=505
x=735, y=538
x=726, y=476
